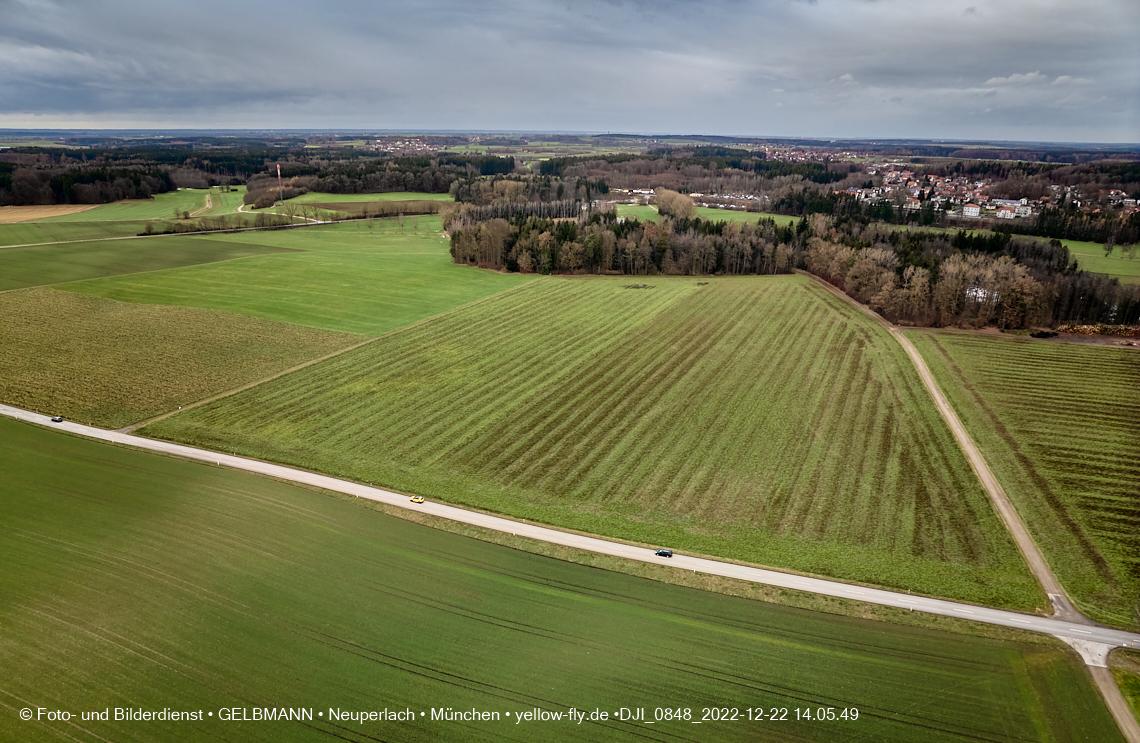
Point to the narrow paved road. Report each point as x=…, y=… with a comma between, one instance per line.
x=1052, y=626
x=1092, y=642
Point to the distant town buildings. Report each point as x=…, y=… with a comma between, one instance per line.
x=404, y=146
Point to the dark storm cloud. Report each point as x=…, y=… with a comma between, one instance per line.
x=1013, y=69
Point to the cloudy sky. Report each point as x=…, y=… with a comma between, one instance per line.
x=1046, y=70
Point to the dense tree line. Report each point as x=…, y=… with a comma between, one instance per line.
x=423, y=174
x=222, y=162
x=31, y=175
x=1105, y=226
x=1070, y=224
x=1107, y=173
x=467, y=215
x=703, y=170
x=522, y=188
x=969, y=278
x=264, y=189
x=90, y=184
x=912, y=277
x=63, y=175
x=604, y=243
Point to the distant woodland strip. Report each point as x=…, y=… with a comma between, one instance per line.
x=912, y=277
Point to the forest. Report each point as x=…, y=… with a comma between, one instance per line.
x=37, y=175
x=914, y=277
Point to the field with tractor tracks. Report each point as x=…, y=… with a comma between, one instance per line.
x=1059, y=425
x=759, y=419
x=167, y=584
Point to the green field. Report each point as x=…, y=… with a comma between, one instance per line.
x=35, y=233
x=649, y=214
x=1126, y=670
x=732, y=215
x=112, y=363
x=226, y=202
x=123, y=219
x=376, y=209
x=760, y=419
x=162, y=206
x=347, y=278
x=52, y=264
x=1091, y=257
x=36, y=143
x=163, y=583
x=1059, y=425
x=639, y=211
x=332, y=198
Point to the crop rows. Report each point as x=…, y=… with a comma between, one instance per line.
x=110, y=363
x=1059, y=425
x=757, y=419
x=163, y=583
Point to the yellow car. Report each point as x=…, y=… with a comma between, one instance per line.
x=417, y=499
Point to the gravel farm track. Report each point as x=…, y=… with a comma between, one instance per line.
x=1063, y=608
x=1061, y=605
x=1091, y=640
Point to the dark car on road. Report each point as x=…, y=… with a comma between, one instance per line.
x=664, y=553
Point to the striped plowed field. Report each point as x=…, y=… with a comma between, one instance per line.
x=1059, y=425
x=758, y=419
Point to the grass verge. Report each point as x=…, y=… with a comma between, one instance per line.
x=159, y=583
x=1125, y=665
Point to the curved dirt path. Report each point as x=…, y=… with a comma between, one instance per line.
x=209, y=205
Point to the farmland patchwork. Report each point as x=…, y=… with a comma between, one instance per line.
x=760, y=419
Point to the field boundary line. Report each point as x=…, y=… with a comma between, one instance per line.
x=191, y=233
x=158, y=270
x=310, y=362
x=1062, y=606
x=856, y=592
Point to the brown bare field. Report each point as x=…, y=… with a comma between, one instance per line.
x=14, y=214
